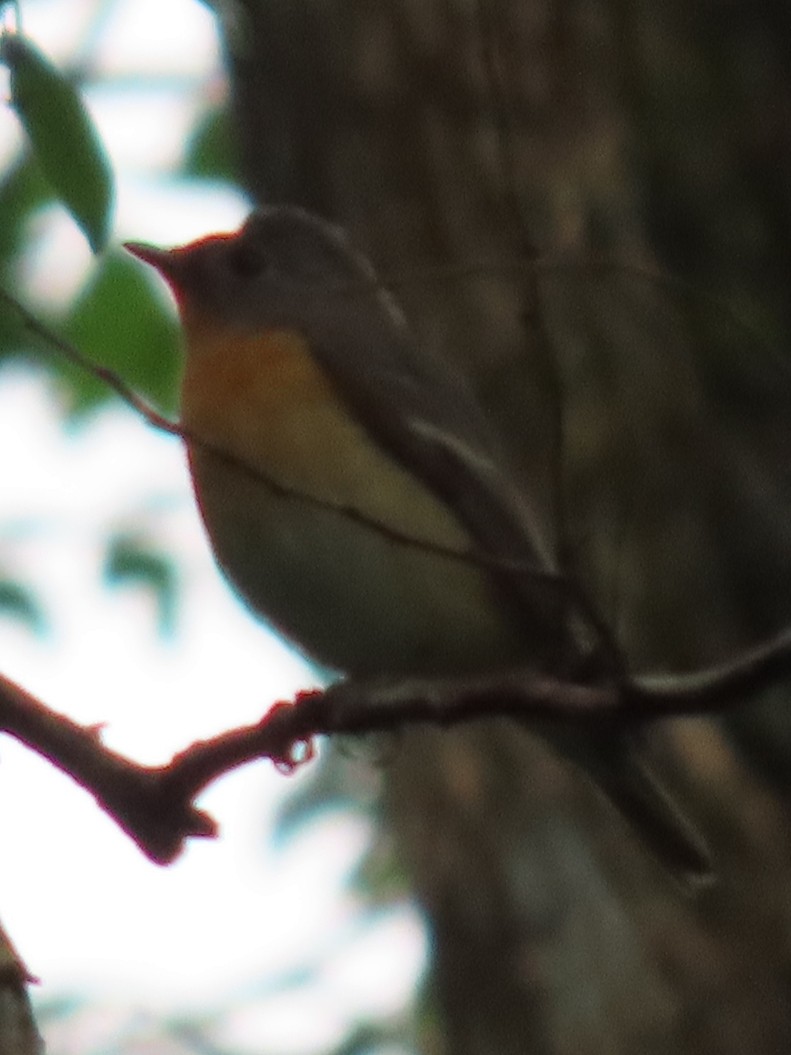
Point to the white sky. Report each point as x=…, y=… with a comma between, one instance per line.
x=83, y=906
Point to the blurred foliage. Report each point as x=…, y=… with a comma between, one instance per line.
x=62, y=136
x=18, y=602
x=133, y=561
x=23, y=190
x=119, y=318
x=211, y=149
x=119, y=321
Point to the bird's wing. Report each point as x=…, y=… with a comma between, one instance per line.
x=427, y=416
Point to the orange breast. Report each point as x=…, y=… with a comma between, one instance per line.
x=346, y=593
x=263, y=396
x=228, y=368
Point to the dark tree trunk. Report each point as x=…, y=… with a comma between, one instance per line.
x=540, y=140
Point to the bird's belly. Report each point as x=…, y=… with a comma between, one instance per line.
x=346, y=594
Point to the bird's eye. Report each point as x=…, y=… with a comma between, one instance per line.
x=248, y=260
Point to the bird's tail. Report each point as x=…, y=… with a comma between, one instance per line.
x=649, y=808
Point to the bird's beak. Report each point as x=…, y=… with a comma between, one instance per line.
x=166, y=261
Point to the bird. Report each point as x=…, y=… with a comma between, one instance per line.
x=356, y=495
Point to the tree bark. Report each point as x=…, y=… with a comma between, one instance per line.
x=495, y=158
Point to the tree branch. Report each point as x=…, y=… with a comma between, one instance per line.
x=152, y=417
x=155, y=805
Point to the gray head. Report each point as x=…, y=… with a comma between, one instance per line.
x=281, y=253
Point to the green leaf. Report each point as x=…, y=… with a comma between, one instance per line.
x=121, y=322
x=131, y=561
x=211, y=151
x=23, y=189
x=62, y=135
x=18, y=603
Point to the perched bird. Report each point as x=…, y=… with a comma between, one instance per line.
x=343, y=472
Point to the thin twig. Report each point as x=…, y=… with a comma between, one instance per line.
x=116, y=383
x=104, y=374
x=155, y=805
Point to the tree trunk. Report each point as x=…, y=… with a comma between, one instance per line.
x=521, y=171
